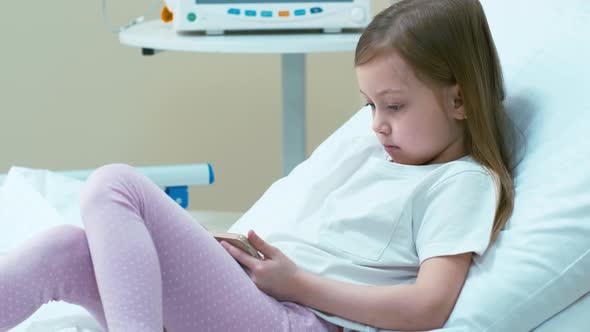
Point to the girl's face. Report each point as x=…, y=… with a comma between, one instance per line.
x=416, y=124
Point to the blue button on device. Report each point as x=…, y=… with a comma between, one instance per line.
x=299, y=12
x=250, y=13
x=266, y=13
x=233, y=11
x=316, y=10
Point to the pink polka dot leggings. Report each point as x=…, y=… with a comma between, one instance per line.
x=141, y=263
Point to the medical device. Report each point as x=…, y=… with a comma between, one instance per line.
x=217, y=16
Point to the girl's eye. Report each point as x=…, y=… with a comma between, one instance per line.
x=394, y=108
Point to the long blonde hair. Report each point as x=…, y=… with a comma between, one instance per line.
x=449, y=42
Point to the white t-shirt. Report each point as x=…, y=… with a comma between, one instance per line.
x=351, y=214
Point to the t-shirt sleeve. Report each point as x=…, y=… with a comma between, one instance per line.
x=455, y=215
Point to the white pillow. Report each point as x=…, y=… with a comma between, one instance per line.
x=573, y=318
x=540, y=263
x=32, y=200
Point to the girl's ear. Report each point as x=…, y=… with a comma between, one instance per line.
x=457, y=111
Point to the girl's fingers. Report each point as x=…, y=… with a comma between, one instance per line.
x=266, y=249
x=239, y=255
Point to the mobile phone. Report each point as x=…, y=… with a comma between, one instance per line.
x=237, y=240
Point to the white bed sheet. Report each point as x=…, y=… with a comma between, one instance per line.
x=59, y=316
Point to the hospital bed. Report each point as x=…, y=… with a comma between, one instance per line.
x=536, y=276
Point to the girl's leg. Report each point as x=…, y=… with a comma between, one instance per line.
x=53, y=265
x=156, y=266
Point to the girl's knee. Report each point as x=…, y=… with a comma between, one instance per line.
x=64, y=241
x=104, y=179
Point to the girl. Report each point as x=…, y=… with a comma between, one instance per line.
x=380, y=238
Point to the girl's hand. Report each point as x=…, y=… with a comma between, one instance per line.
x=276, y=274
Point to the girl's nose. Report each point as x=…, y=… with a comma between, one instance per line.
x=380, y=125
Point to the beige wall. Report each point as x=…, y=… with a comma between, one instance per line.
x=72, y=97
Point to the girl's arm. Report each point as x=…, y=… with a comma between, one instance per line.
x=424, y=305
